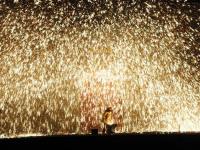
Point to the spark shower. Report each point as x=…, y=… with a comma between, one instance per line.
x=63, y=62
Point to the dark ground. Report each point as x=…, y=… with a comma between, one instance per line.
x=132, y=140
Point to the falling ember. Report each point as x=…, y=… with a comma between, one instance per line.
x=63, y=63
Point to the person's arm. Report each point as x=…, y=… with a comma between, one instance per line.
x=105, y=116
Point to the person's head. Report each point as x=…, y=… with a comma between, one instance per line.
x=109, y=109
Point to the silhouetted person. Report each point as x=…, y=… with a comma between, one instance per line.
x=108, y=120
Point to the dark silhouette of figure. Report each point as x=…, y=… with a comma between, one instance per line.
x=108, y=120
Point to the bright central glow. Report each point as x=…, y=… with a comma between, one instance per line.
x=113, y=74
